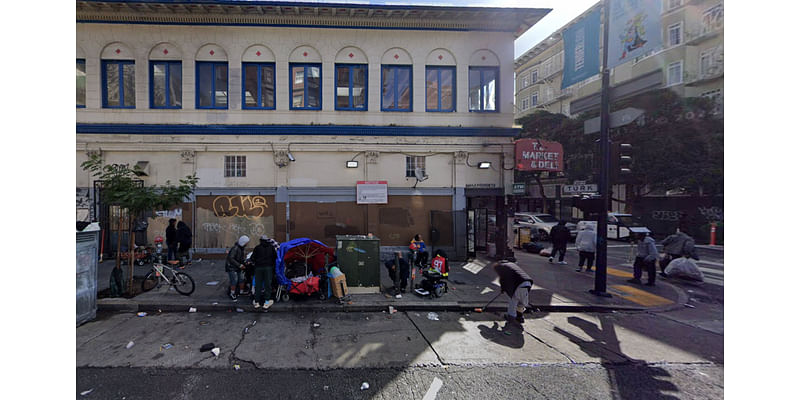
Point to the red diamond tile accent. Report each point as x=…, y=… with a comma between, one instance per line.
x=305, y=54
x=396, y=56
x=258, y=53
x=211, y=52
x=118, y=51
x=166, y=52
x=350, y=55
x=440, y=57
x=483, y=58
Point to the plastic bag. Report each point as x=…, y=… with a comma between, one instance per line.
x=684, y=268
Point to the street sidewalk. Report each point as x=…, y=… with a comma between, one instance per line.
x=471, y=285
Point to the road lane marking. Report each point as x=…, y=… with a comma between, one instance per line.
x=618, y=272
x=640, y=296
x=433, y=390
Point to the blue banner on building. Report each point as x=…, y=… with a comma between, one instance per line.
x=582, y=50
x=635, y=30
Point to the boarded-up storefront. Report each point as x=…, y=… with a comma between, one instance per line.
x=405, y=216
x=221, y=220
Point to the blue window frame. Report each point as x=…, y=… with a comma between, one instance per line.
x=305, y=86
x=258, y=86
x=166, y=90
x=351, y=87
x=396, y=88
x=80, y=83
x=211, y=85
x=483, y=89
x=440, y=89
x=119, y=85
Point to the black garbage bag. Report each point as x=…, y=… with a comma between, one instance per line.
x=117, y=282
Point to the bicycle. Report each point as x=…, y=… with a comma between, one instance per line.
x=181, y=281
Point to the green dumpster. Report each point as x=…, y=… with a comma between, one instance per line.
x=359, y=258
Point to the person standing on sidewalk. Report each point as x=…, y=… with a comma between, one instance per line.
x=676, y=246
x=263, y=258
x=646, y=256
x=559, y=235
x=234, y=266
x=399, y=284
x=586, y=243
x=172, y=240
x=184, y=236
x=516, y=284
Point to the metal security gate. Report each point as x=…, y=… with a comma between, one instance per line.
x=449, y=233
x=108, y=218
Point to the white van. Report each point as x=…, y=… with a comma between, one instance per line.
x=620, y=226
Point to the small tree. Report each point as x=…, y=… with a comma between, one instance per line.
x=121, y=188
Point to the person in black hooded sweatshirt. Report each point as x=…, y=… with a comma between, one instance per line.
x=516, y=284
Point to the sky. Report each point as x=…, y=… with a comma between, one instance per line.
x=562, y=12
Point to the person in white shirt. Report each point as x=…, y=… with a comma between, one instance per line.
x=586, y=243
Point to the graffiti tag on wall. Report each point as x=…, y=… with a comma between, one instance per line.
x=667, y=215
x=711, y=213
x=254, y=229
x=239, y=206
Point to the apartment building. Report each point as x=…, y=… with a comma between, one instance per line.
x=303, y=119
x=690, y=62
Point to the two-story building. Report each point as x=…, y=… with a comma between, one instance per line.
x=304, y=119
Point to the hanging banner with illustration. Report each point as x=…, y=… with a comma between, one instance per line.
x=538, y=155
x=582, y=50
x=635, y=30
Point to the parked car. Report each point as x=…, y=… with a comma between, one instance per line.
x=541, y=224
x=620, y=226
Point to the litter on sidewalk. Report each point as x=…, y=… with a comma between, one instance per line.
x=130, y=344
x=215, y=351
x=364, y=386
x=433, y=316
x=85, y=392
x=212, y=283
x=142, y=314
x=192, y=309
x=166, y=346
x=206, y=347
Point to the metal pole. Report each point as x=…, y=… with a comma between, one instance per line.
x=602, y=223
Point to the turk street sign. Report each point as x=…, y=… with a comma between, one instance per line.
x=579, y=188
x=538, y=155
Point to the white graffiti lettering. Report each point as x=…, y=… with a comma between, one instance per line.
x=711, y=213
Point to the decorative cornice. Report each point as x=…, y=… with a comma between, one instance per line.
x=187, y=156
x=324, y=15
x=460, y=157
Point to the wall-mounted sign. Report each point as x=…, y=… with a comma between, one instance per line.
x=518, y=188
x=372, y=192
x=481, y=185
x=538, y=155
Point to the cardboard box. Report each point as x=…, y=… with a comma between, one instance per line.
x=339, y=286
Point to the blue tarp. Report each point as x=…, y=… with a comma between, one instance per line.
x=280, y=267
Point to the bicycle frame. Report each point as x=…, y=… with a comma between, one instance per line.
x=160, y=273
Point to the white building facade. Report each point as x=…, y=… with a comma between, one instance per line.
x=267, y=102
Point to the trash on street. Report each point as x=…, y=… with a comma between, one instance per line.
x=239, y=310
x=85, y=392
x=689, y=305
x=316, y=325
x=192, y=309
x=166, y=346
x=142, y=314
x=215, y=351
x=212, y=283
x=206, y=347
x=433, y=316
x=364, y=386
x=236, y=366
x=130, y=344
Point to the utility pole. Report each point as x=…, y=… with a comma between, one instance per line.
x=602, y=223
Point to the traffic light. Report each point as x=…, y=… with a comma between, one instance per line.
x=621, y=159
x=625, y=153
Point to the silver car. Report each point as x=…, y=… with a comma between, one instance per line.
x=541, y=224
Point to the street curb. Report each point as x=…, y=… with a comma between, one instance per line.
x=433, y=307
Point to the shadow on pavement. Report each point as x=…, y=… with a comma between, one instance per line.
x=650, y=382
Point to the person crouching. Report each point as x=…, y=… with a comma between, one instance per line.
x=516, y=284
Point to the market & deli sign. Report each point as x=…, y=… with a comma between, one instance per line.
x=538, y=155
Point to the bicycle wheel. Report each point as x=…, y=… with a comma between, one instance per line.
x=183, y=283
x=150, y=281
